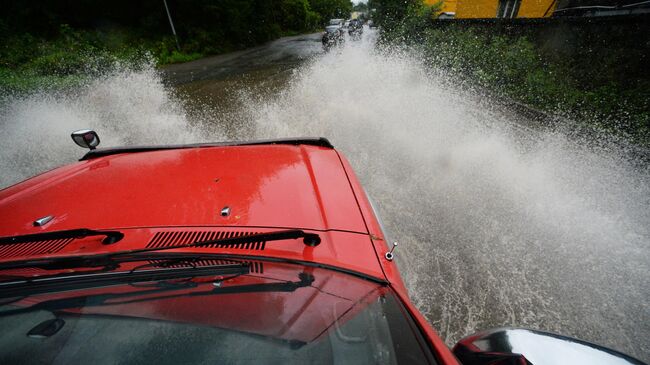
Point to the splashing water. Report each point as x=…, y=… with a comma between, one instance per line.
x=124, y=106
x=498, y=224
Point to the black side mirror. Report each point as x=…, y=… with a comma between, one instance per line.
x=86, y=138
x=514, y=346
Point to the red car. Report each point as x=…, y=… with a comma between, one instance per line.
x=254, y=252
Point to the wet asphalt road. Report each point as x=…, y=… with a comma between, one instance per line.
x=280, y=54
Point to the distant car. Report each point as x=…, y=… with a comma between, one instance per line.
x=355, y=29
x=371, y=24
x=333, y=36
x=447, y=15
x=338, y=22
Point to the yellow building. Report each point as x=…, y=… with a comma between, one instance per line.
x=448, y=6
x=496, y=8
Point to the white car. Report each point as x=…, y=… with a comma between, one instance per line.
x=338, y=22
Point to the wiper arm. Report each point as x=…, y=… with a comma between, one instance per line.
x=309, y=239
x=145, y=295
x=26, y=287
x=107, y=259
x=111, y=236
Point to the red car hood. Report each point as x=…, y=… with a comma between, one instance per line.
x=190, y=187
x=176, y=196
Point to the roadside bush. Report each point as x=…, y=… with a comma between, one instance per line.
x=177, y=57
x=520, y=68
x=414, y=24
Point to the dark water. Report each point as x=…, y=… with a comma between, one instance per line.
x=498, y=223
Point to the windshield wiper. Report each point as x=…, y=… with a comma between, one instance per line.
x=164, y=288
x=30, y=286
x=111, y=236
x=107, y=260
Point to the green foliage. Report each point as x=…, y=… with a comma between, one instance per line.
x=177, y=57
x=297, y=15
x=363, y=7
x=410, y=26
x=331, y=9
x=45, y=42
x=574, y=84
x=203, y=26
x=514, y=66
x=24, y=81
x=391, y=14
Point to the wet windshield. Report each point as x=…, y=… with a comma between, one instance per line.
x=286, y=313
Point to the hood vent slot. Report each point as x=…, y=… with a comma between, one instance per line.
x=255, y=266
x=33, y=248
x=175, y=238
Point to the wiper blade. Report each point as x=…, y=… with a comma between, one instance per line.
x=108, y=259
x=148, y=294
x=26, y=287
x=111, y=236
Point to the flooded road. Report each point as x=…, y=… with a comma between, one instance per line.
x=224, y=86
x=498, y=224
x=279, y=55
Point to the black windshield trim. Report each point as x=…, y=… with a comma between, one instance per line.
x=422, y=337
x=172, y=255
x=310, y=141
x=207, y=256
x=361, y=275
x=40, y=285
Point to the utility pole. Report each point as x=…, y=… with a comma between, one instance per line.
x=178, y=46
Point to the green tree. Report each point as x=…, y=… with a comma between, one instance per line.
x=297, y=15
x=331, y=9
x=390, y=13
x=363, y=7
